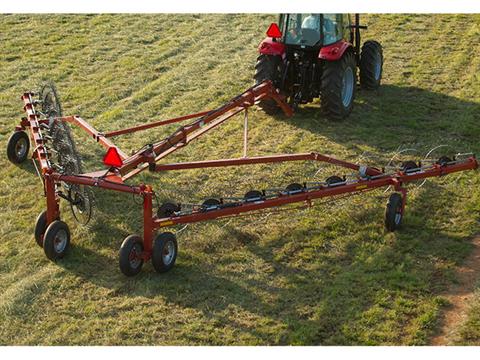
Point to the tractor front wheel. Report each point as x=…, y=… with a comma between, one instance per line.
x=338, y=86
x=268, y=67
x=371, y=65
x=17, y=147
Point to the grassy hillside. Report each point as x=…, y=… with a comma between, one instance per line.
x=327, y=275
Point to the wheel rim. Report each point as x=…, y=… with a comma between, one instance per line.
x=398, y=216
x=134, y=258
x=21, y=148
x=378, y=66
x=60, y=241
x=347, y=87
x=168, y=253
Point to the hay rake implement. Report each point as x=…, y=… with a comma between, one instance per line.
x=59, y=166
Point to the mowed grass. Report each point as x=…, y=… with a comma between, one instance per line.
x=328, y=275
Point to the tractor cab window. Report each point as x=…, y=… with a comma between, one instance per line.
x=332, y=28
x=302, y=29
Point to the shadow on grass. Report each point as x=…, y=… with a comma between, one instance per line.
x=395, y=115
x=322, y=300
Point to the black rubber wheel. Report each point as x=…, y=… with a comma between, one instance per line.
x=129, y=260
x=332, y=180
x=268, y=67
x=17, y=147
x=165, y=251
x=40, y=228
x=393, y=212
x=167, y=209
x=56, y=240
x=253, y=195
x=339, y=79
x=371, y=65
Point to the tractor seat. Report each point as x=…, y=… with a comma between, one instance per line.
x=309, y=37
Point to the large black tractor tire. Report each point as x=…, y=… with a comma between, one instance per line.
x=371, y=65
x=338, y=86
x=268, y=67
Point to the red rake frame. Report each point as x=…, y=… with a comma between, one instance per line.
x=128, y=166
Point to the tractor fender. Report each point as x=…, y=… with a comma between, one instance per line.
x=334, y=51
x=270, y=47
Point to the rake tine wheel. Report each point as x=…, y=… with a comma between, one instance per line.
x=434, y=155
x=403, y=160
x=66, y=156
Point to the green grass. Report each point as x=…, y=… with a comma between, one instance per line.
x=327, y=275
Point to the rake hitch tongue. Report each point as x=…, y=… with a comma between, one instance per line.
x=59, y=165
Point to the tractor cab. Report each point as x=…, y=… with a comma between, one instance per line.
x=314, y=30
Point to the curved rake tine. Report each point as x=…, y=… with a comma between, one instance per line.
x=432, y=156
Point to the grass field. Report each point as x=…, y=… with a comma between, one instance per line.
x=328, y=275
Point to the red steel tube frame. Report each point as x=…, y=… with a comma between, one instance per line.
x=113, y=179
x=361, y=185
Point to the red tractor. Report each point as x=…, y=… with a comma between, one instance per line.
x=317, y=55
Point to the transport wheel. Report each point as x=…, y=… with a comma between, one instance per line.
x=253, y=195
x=129, y=255
x=165, y=251
x=371, y=65
x=393, y=212
x=40, y=227
x=268, y=67
x=56, y=240
x=332, y=180
x=18, y=146
x=339, y=79
x=167, y=209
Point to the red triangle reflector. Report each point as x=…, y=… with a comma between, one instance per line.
x=112, y=158
x=274, y=31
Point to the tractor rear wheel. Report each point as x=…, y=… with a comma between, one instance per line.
x=268, y=67
x=371, y=65
x=338, y=86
